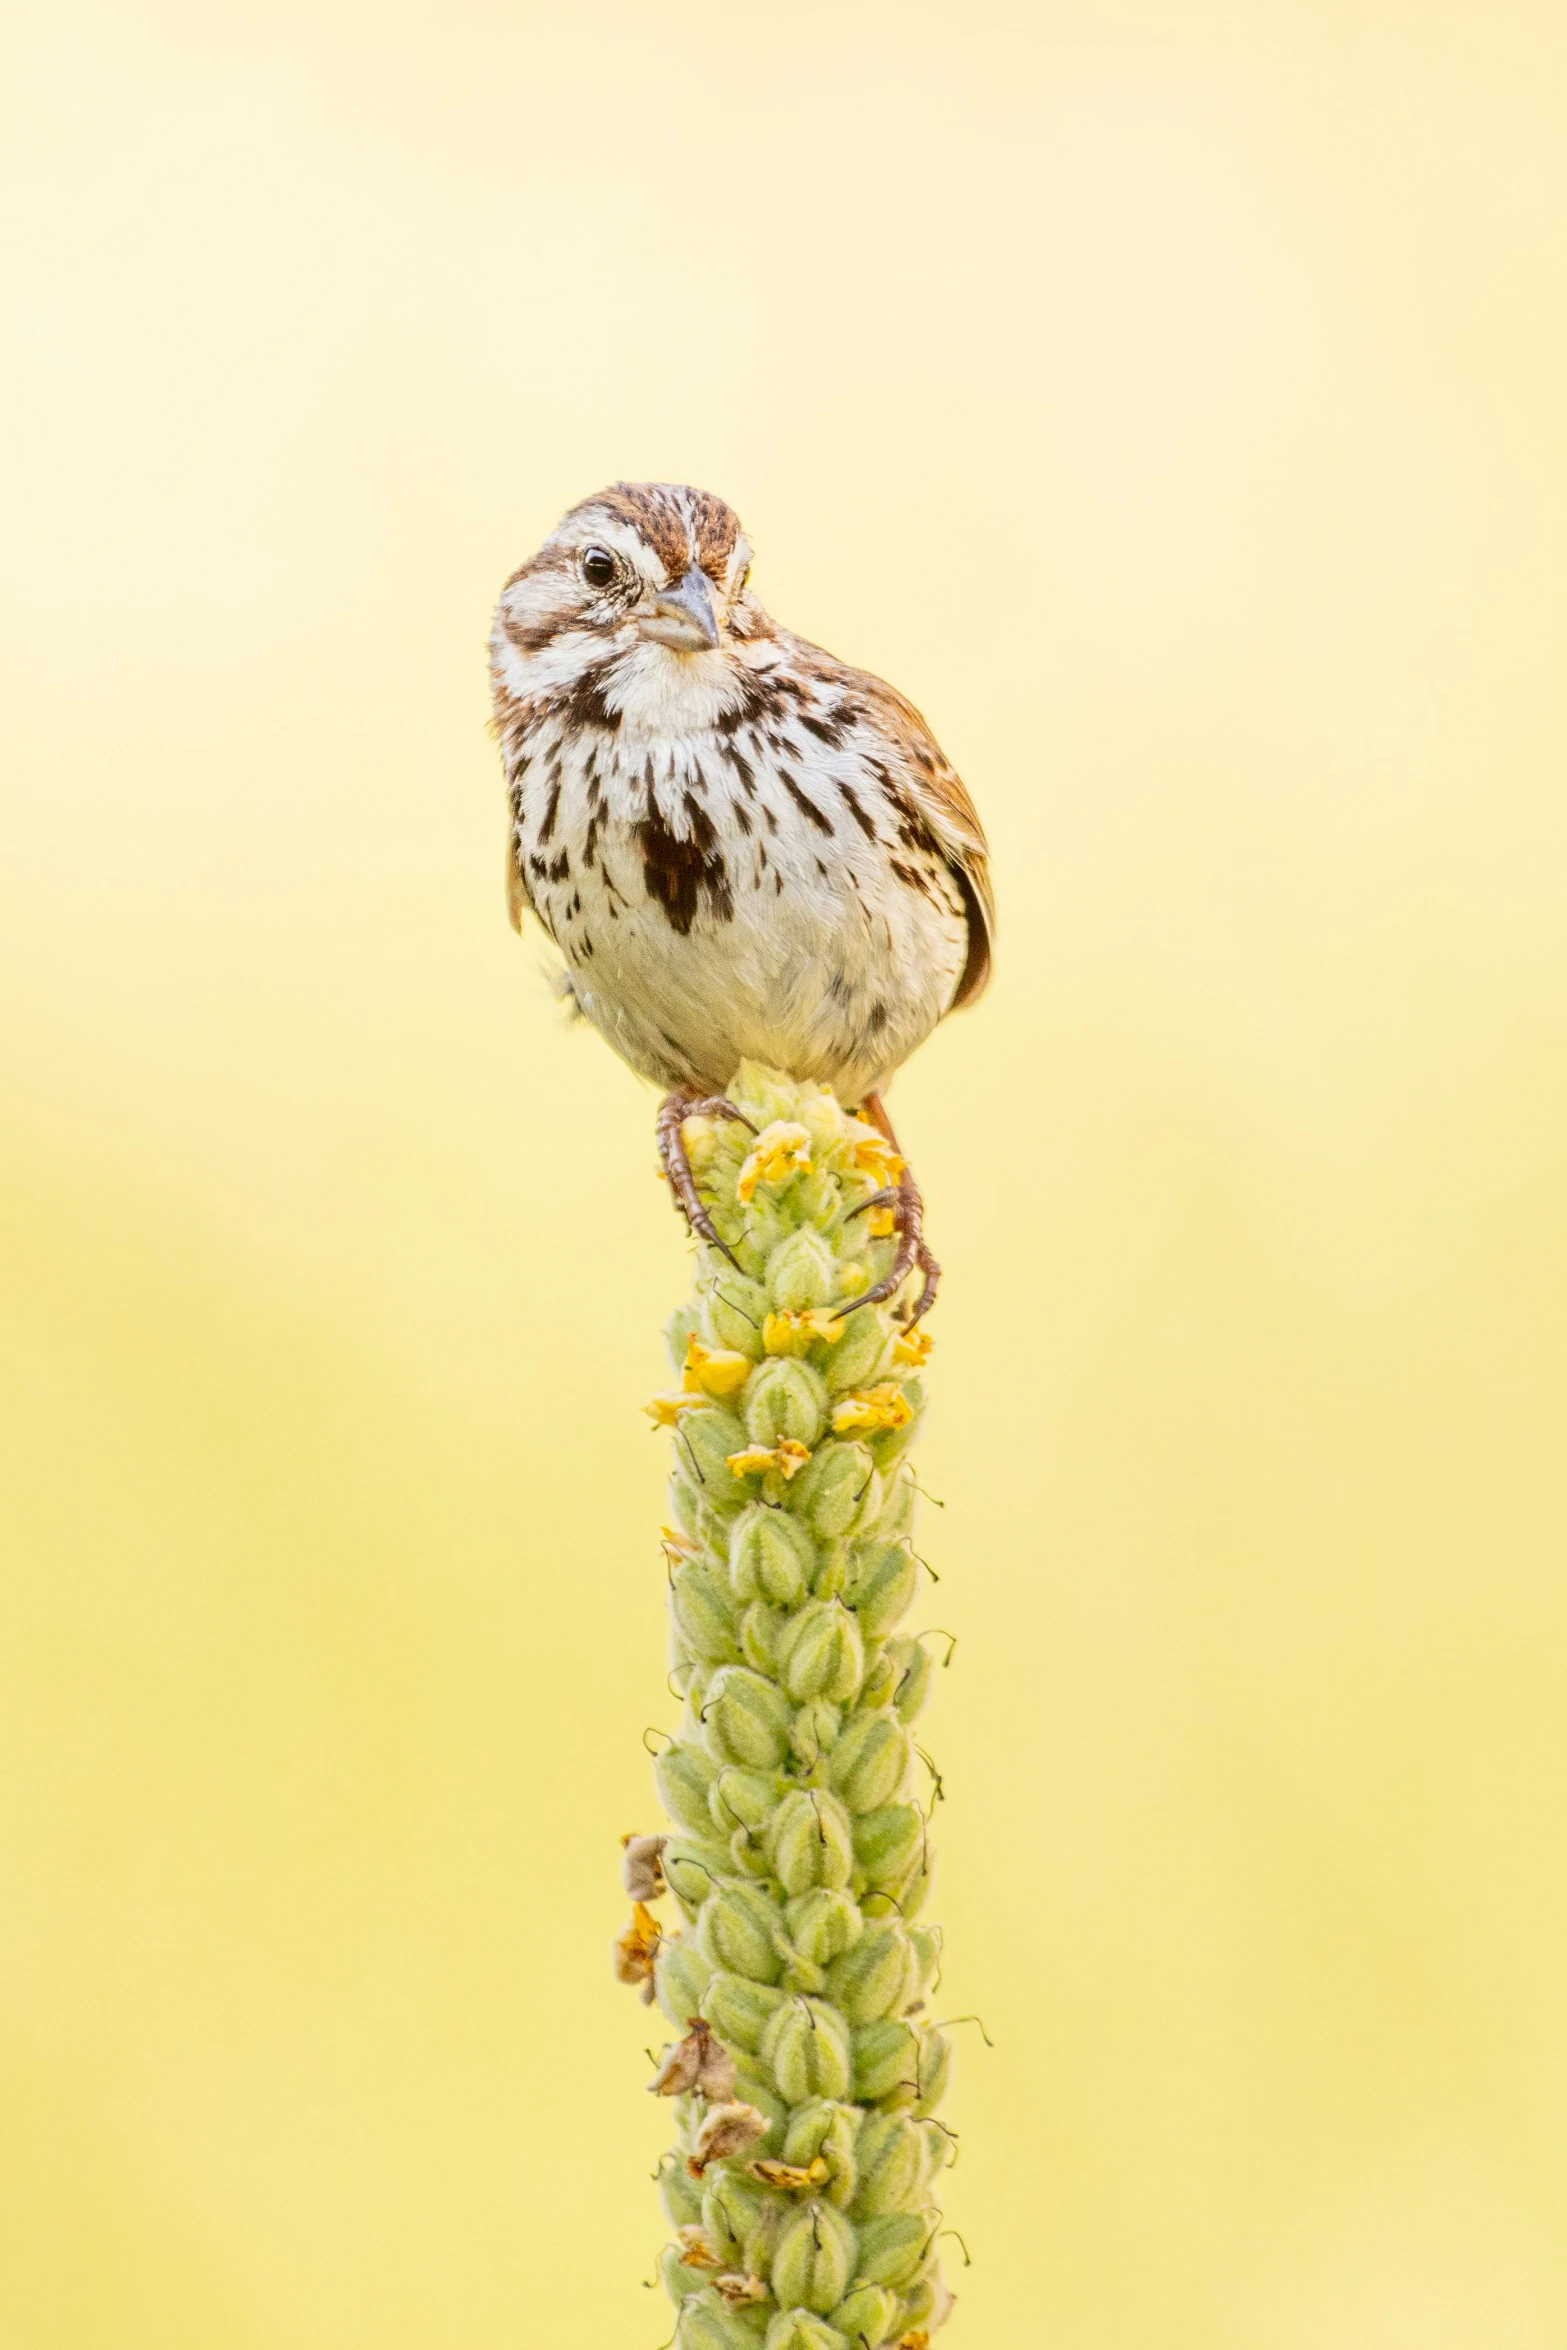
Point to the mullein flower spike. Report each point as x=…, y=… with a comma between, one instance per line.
x=801, y=2190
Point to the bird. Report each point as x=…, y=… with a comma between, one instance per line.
x=744, y=848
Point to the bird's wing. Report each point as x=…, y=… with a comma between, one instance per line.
x=516, y=887
x=938, y=792
x=519, y=898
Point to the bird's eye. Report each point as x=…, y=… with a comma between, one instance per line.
x=598, y=568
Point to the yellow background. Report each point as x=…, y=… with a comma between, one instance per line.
x=1170, y=398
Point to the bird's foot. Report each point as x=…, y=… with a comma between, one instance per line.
x=908, y=1210
x=673, y=1112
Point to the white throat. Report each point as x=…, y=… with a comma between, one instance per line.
x=661, y=692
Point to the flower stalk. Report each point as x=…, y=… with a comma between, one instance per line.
x=805, y=2073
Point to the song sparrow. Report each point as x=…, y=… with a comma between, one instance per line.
x=743, y=848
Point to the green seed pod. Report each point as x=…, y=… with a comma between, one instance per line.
x=802, y=1272
x=685, y=1503
x=705, y=2324
x=876, y=1977
x=911, y=1894
x=766, y=1228
x=915, y=1665
x=802, y=1973
x=744, y=1799
x=823, y=1924
x=691, y=1682
x=757, y=2252
x=733, y=1312
x=815, y=2125
x=695, y=1866
x=814, y=1731
x=838, y=1491
x=771, y=1556
x=785, y=1397
x=740, y=1930
x=898, y=1501
x=761, y=1629
x=731, y=2207
x=738, y=2009
x=880, y=1682
x=797, y=2329
x=926, y=1944
x=935, y=2066
x=705, y=1438
x=926, y=2303
x=821, y=1653
x=860, y=1357
x=888, y=1843
x=679, y=2192
x=746, y=1720
x=892, y=2248
x=806, y=2045
x=698, y=1610
x=892, y=2163
x=681, y=1975
x=814, y=2260
x=867, y=2316
x=824, y=2129
x=809, y=1841
x=886, y=2061
x=748, y=1855
x=682, y=1664
x=882, y=1586
x=685, y=1775
x=833, y=1572
x=940, y=2147
x=869, y=1765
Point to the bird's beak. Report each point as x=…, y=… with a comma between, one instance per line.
x=685, y=615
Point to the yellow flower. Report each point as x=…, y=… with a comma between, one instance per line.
x=714, y=1370
x=665, y=1410
x=676, y=1546
x=794, y=1334
x=881, y=1223
x=913, y=1347
x=872, y=1407
x=752, y=1461
x=787, y=1457
x=872, y=1153
x=779, y=1151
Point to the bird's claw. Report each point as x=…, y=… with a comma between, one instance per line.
x=675, y=1109
x=908, y=1209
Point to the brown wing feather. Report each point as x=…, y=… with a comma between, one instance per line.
x=517, y=898
x=944, y=803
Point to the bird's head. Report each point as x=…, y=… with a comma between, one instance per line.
x=642, y=563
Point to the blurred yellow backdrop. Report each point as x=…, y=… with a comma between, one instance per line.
x=1169, y=397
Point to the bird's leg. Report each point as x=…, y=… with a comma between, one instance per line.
x=673, y=1112
x=909, y=1223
